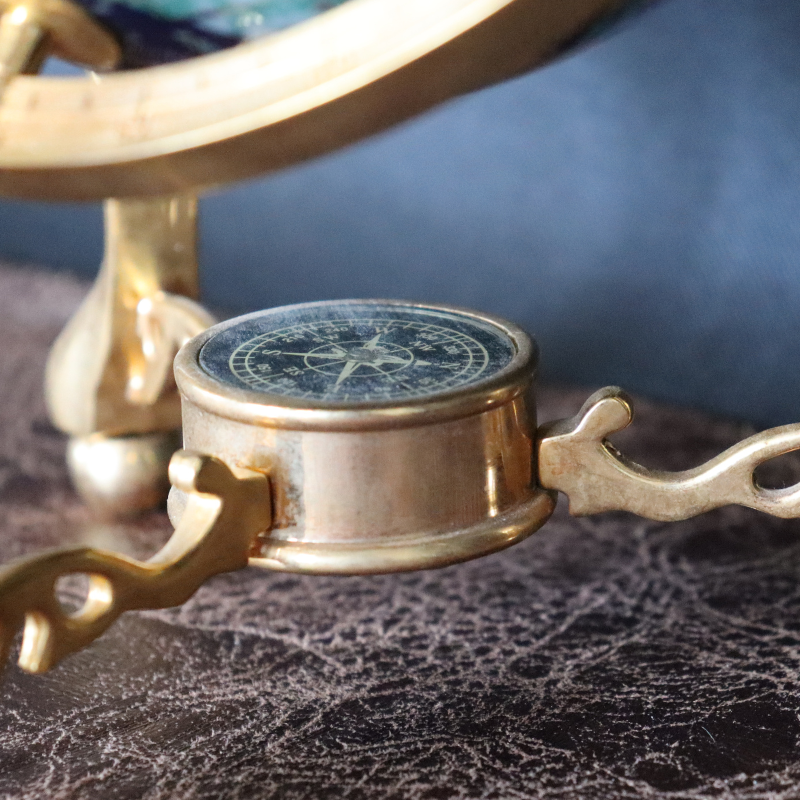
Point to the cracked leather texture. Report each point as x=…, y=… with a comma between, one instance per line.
x=606, y=657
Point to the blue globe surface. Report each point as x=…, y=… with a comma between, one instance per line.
x=160, y=31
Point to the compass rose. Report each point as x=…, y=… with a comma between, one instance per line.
x=352, y=352
x=352, y=355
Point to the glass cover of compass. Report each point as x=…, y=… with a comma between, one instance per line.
x=356, y=353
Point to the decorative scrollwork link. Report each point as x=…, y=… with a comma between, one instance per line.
x=223, y=515
x=575, y=458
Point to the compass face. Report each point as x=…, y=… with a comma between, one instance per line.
x=352, y=353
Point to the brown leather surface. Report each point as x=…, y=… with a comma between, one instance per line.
x=603, y=658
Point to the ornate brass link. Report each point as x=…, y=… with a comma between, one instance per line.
x=575, y=458
x=223, y=516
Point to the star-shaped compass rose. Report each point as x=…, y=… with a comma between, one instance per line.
x=355, y=352
x=353, y=355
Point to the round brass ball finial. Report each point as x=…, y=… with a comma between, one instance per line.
x=119, y=476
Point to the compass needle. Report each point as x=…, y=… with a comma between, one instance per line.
x=349, y=368
x=387, y=359
x=338, y=356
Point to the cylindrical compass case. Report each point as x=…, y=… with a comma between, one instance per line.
x=395, y=436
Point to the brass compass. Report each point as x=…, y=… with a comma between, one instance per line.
x=348, y=471
x=397, y=452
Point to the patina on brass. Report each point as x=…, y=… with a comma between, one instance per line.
x=109, y=382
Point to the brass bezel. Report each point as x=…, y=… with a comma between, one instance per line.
x=275, y=411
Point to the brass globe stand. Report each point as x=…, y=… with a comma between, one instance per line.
x=108, y=383
x=345, y=437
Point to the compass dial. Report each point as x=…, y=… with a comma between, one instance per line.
x=347, y=353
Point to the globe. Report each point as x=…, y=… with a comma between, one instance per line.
x=162, y=31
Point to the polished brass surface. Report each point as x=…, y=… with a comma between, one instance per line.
x=20, y=37
x=352, y=71
x=108, y=380
x=575, y=458
x=403, y=498
x=30, y=30
x=109, y=370
x=223, y=515
x=411, y=552
x=377, y=488
x=118, y=476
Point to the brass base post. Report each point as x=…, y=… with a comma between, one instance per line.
x=108, y=381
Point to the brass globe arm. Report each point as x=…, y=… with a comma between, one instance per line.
x=222, y=516
x=31, y=30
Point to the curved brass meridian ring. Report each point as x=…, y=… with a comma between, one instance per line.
x=350, y=72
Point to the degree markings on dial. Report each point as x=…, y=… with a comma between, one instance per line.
x=351, y=366
x=367, y=358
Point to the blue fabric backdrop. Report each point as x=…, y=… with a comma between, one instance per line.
x=636, y=206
